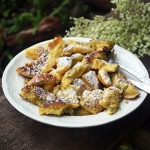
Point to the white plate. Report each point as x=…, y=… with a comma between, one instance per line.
x=12, y=84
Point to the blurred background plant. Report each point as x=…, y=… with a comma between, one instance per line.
x=17, y=16
x=130, y=29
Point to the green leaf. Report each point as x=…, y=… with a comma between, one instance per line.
x=8, y=54
x=34, y=30
x=58, y=9
x=6, y=13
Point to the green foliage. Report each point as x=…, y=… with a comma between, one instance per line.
x=67, y=8
x=57, y=10
x=7, y=53
x=29, y=13
x=20, y=15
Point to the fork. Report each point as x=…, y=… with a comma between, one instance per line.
x=139, y=76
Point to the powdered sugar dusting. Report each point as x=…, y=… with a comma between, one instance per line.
x=79, y=83
x=36, y=66
x=93, y=95
x=91, y=98
x=40, y=92
x=63, y=62
x=105, y=77
x=69, y=95
x=41, y=50
x=44, y=95
x=42, y=77
x=91, y=77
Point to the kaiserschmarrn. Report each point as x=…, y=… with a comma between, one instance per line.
x=74, y=78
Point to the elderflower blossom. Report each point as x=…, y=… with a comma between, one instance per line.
x=131, y=30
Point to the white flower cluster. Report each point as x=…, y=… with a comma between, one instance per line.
x=131, y=30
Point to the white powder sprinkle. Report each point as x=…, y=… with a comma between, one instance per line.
x=69, y=95
x=91, y=77
x=35, y=67
x=105, y=77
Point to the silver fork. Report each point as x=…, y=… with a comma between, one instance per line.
x=139, y=76
x=144, y=79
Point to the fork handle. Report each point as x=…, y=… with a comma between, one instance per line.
x=139, y=76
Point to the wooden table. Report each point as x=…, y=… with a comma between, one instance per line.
x=19, y=132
